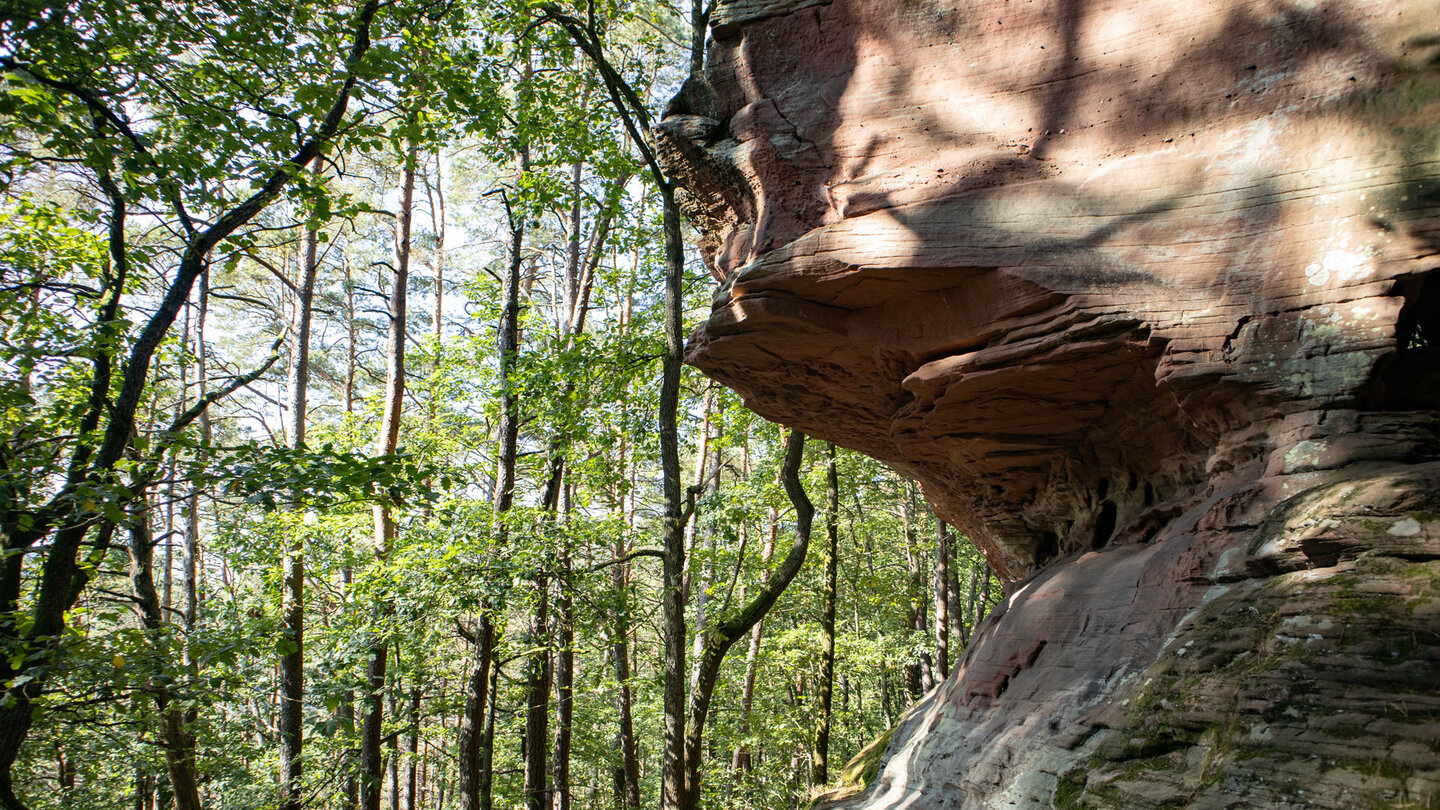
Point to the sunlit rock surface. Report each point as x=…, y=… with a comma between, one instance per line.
x=1145, y=294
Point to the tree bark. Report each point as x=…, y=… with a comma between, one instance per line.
x=743, y=760
x=824, y=690
x=629, y=773
x=724, y=634
x=176, y=738
x=292, y=575
x=919, y=676
x=537, y=704
x=372, y=760
x=413, y=760
x=672, y=599
x=942, y=598
x=476, y=738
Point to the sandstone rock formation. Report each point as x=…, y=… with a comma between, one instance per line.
x=1146, y=294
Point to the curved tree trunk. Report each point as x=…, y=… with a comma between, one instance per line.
x=726, y=633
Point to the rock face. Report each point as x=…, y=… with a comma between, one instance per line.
x=1146, y=294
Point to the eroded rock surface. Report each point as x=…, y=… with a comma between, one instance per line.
x=1145, y=295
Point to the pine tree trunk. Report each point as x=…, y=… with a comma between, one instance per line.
x=672, y=599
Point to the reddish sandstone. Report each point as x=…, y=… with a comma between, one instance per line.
x=1126, y=285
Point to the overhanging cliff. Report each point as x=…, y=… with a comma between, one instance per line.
x=1144, y=294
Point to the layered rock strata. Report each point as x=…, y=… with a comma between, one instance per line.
x=1144, y=294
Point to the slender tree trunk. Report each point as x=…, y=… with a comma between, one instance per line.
x=919, y=674
x=701, y=578
x=981, y=595
x=743, y=761
x=178, y=742
x=819, y=763
x=292, y=593
x=956, y=597
x=672, y=599
x=537, y=708
x=564, y=681
x=436, y=194
x=345, y=712
x=348, y=395
x=487, y=742
x=393, y=761
x=190, y=557
x=942, y=598
x=472, y=721
x=371, y=757
x=168, y=579
x=724, y=634
x=628, y=781
x=413, y=760
x=476, y=727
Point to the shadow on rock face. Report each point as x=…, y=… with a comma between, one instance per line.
x=1126, y=285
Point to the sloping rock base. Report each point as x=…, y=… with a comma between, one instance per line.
x=1146, y=295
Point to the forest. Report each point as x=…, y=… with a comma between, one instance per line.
x=349, y=457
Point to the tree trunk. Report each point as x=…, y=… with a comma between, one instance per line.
x=672, y=599
x=942, y=598
x=918, y=674
x=292, y=575
x=436, y=194
x=487, y=742
x=190, y=557
x=743, y=761
x=413, y=760
x=537, y=704
x=628, y=781
x=394, y=758
x=824, y=690
x=564, y=683
x=476, y=735
x=724, y=634
x=701, y=579
x=175, y=737
x=472, y=722
x=371, y=757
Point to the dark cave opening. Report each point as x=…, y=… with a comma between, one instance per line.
x=1047, y=549
x=1409, y=379
x=1104, y=525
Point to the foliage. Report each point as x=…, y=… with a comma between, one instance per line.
x=129, y=134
